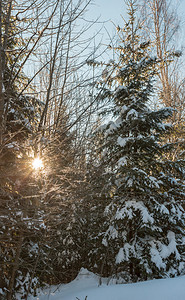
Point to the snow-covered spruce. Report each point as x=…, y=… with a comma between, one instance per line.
x=144, y=231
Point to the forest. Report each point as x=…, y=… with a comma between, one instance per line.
x=92, y=151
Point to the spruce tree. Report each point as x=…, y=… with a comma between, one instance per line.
x=20, y=116
x=144, y=228
x=62, y=188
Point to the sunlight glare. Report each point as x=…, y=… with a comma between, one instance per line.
x=37, y=163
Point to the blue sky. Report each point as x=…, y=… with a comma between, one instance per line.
x=111, y=10
x=108, y=12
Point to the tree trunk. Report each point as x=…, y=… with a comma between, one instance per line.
x=1, y=80
x=15, y=267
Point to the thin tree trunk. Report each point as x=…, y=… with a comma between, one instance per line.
x=1, y=80
x=15, y=267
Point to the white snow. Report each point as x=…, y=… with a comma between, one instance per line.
x=113, y=234
x=111, y=126
x=154, y=182
x=122, y=161
x=156, y=257
x=124, y=253
x=124, y=108
x=87, y=286
x=161, y=251
x=132, y=205
x=122, y=141
x=164, y=210
x=130, y=182
x=133, y=113
x=120, y=256
x=171, y=247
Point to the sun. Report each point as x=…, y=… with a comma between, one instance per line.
x=37, y=163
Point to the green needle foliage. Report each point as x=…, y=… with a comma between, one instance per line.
x=143, y=232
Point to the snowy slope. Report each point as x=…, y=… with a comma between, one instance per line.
x=87, y=284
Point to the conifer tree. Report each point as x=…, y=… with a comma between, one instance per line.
x=19, y=117
x=144, y=227
x=62, y=206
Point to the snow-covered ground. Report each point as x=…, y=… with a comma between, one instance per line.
x=86, y=287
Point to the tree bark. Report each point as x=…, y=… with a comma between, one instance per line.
x=1, y=80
